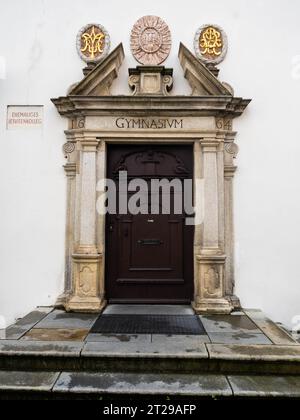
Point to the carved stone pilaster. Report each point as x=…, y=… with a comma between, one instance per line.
x=211, y=194
x=230, y=153
x=70, y=171
x=210, y=262
x=86, y=260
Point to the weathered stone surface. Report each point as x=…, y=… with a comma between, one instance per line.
x=265, y=386
x=148, y=310
x=119, y=338
x=151, y=384
x=276, y=334
x=55, y=335
x=164, y=349
x=65, y=320
x=35, y=348
x=182, y=339
x=27, y=381
x=17, y=330
x=254, y=352
x=228, y=324
x=240, y=337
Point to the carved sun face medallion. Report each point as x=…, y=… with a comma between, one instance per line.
x=210, y=44
x=93, y=42
x=150, y=40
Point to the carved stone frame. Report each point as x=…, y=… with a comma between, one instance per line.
x=206, y=123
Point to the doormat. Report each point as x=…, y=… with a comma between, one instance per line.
x=148, y=324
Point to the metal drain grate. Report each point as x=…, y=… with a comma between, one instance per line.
x=148, y=324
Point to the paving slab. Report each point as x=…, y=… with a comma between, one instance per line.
x=265, y=386
x=228, y=324
x=17, y=330
x=238, y=338
x=182, y=339
x=65, y=320
x=158, y=349
x=254, y=352
x=143, y=384
x=27, y=381
x=40, y=348
x=276, y=334
x=148, y=310
x=37, y=334
x=119, y=338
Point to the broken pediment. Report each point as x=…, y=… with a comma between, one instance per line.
x=99, y=80
x=202, y=81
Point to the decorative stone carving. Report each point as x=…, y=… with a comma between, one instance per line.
x=210, y=296
x=210, y=44
x=211, y=281
x=150, y=40
x=232, y=149
x=68, y=148
x=146, y=80
x=86, y=294
x=93, y=42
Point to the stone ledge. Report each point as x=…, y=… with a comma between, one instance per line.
x=145, y=350
x=42, y=349
x=265, y=386
x=143, y=384
x=27, y=381
x=266, y=353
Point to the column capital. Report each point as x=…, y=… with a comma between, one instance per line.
x=90, y=144
x=229, y=171
x=70, y=169
x=210, y=144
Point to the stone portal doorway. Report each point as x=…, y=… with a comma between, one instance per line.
x=151, y=115
x=150, y=255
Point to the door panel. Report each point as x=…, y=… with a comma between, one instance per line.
x=149, y=257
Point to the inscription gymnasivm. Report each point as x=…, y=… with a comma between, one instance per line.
x=151, y=124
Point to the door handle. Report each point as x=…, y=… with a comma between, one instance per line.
x=150, y=242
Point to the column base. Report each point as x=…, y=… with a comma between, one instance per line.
x=62, y=300
x=235, y=301
x=90, y=305
x=88, y=291
x=219, y=306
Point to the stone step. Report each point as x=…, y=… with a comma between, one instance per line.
x=166, y=356
x=79, y=385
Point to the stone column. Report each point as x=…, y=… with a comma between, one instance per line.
x=86, y=258
x=210, y=262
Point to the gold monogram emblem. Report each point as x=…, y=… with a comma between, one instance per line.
x=92, y=42
x=210, y=42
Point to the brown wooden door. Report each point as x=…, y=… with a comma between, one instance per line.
x=149, y=257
